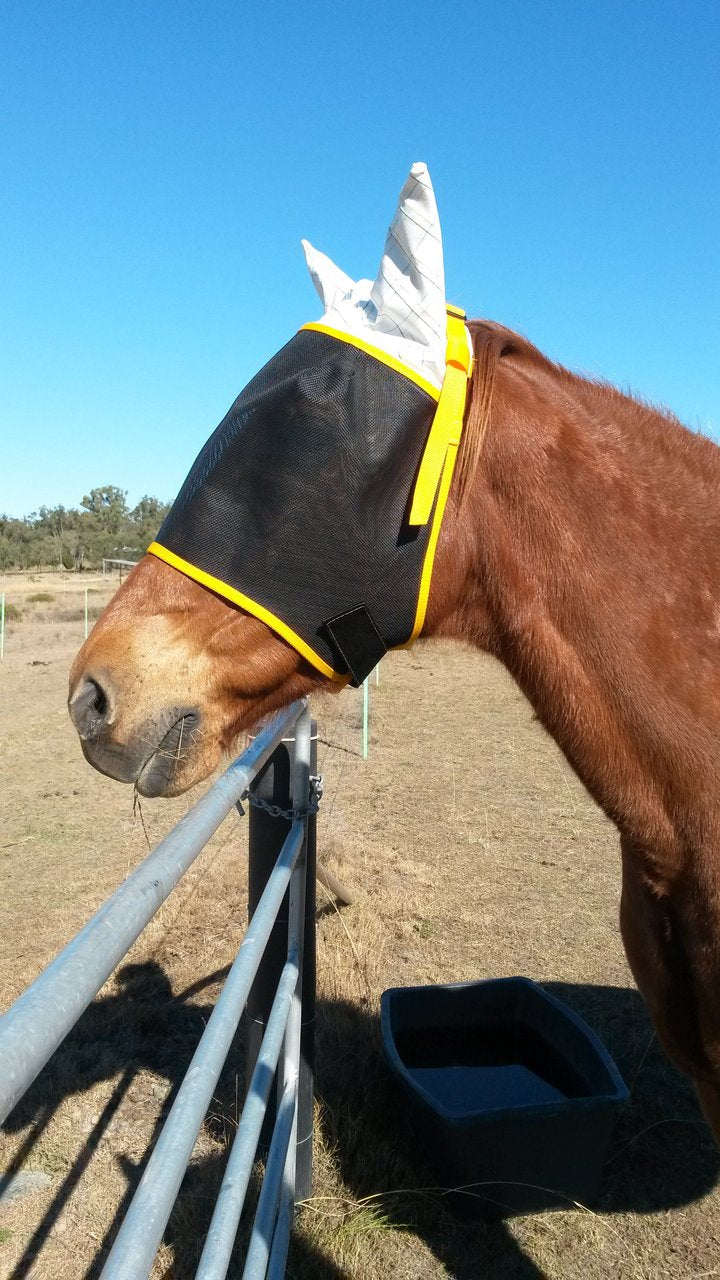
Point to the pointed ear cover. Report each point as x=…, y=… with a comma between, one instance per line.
x=403, y=311
x=331, y=283
x=410, y=286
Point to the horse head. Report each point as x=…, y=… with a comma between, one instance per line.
x=301, y=546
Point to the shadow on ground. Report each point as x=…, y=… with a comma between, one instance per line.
x=662, y=1156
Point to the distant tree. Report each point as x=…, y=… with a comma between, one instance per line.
x=108, y=505
x=147, y=517
x=6, y=551
x=55, y=520
x=149, y=511
x=72, y=538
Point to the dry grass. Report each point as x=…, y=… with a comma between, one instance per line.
x=473, y=852
x=26, y=607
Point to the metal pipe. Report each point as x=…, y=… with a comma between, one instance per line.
x=40, y=1019
x=262, y=1231
x=287, y=1193
x=220, y=1239
x=277, y=1262
x=306, y=1080
x=137, y=1241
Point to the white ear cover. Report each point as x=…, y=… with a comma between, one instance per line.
x=402, y=312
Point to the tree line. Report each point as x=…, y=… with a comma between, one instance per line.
x=77, y=538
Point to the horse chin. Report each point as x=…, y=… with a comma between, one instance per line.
x=161, y=779
x=177, y=763
x=184, y=755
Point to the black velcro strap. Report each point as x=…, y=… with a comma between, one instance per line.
x=357, y=641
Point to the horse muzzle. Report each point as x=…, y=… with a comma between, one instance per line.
x=156, y=752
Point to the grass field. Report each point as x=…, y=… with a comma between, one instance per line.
x=474, y=853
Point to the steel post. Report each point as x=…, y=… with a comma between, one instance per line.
x=274, y=785
x=266, y=834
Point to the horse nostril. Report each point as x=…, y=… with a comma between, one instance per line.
x=99, y=702
x=89, y=709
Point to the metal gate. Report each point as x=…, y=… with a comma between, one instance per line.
x=273, y=976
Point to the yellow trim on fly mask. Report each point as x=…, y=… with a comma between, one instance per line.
x=383, y=356
x=250, y=606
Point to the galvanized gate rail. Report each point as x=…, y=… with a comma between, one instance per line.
x=272, y=980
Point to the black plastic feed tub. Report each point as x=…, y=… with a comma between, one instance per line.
x=511, y=1094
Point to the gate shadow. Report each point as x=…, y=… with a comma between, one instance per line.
x=662, y=1155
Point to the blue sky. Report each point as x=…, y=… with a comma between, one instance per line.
x=161, y=161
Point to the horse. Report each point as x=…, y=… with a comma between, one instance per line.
x=580, y=548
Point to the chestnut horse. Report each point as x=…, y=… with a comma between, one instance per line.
x=581, y=547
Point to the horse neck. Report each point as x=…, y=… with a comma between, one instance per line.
x=584, y=556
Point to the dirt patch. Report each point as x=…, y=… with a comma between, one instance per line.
x=474, y=853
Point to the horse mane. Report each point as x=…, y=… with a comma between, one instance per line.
x=491, y=343
x=494, y=343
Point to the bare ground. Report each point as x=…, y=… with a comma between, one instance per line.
x=474, y=853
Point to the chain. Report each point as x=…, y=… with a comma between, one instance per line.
x=290, y=815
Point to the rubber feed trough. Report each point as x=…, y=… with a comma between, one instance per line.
x=512, y=1096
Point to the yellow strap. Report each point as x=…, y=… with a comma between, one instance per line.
x=447, y=424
